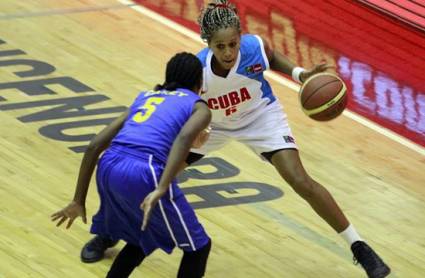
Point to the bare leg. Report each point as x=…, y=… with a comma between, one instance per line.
x=289, y=166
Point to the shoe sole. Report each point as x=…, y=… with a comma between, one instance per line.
x=88, y=261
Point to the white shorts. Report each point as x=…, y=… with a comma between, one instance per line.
x=269, y=131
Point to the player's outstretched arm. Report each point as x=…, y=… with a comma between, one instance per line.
x=199, y=121
x=277, y=61
x=97, y=145
x=281, y=63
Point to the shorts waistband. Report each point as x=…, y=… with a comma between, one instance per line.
x=134, y=153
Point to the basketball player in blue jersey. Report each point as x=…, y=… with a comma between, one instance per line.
x=145, y=148
x=245, y=109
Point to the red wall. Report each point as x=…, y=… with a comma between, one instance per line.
x=382, y=61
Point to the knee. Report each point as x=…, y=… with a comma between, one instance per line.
x=199, y=256
x=208, y=245
x=205, y=250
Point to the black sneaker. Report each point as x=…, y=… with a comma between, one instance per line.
x=370, y=261
x=94, y=250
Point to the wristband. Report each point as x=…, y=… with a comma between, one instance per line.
x=296, y=73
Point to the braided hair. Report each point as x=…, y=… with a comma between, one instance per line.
x=184, y=70
x=217, y=15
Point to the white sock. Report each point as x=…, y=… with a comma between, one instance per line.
x=350, y=235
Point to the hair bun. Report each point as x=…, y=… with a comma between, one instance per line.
x=221, y=4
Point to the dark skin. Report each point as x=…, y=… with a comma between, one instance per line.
x=199, y=120
x=98, y=144
x=225, y=44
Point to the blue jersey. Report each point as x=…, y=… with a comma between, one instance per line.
x=131, y=169
x=155, y=120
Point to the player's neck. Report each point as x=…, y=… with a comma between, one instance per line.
x=217, y=69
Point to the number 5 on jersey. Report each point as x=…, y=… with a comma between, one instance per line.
x=147, y=109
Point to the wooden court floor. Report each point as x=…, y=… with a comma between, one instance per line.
x=56, y=53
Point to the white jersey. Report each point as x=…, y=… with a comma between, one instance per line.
x=237, y=100
x=242, y=104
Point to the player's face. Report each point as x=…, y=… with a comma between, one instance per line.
x=225, y=46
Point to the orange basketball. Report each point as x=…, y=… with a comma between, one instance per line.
x=323, y=96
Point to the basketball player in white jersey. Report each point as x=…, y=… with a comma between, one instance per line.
x=244, y=109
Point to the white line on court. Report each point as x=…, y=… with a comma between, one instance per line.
x=278, y=78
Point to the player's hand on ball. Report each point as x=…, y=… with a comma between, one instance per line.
x=322, y=67
x=71, y=211
x=202, y=138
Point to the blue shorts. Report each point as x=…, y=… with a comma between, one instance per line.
x=124, y=178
